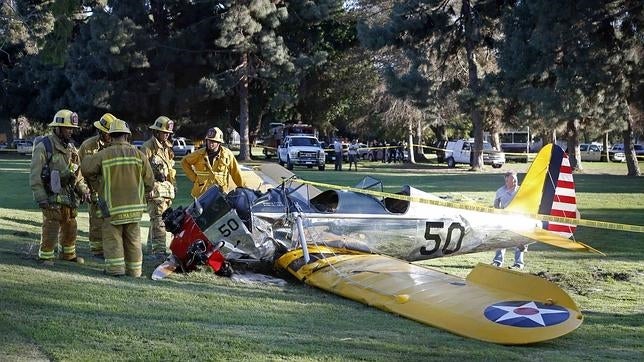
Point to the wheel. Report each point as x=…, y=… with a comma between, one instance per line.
x=321, y=167
x=279, y=160
x=309, y=166
x=370, y=157
x=268, y=157
x=451, y=163
x=496, y=166
x=289, y=165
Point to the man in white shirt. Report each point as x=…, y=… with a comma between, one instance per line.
x=504, y=196
x=337, y=147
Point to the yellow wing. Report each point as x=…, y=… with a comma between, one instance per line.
x=491, y=304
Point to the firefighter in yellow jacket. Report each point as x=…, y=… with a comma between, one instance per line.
x=125, y=179
x=158, y=150
x=212, y=165
x=89, y=147
x=58, y=188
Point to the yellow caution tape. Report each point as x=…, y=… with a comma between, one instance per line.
x=480, y=208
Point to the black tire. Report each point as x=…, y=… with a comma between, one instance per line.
x=321, y=167
x=496, y=166
x=279, y=160
x=289, y=165
x=450, y=162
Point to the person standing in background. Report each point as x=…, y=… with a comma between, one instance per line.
x=502, y=199
x=158, y=151
x=124, y=177
x=58, y=188
x=337, y=148
x=353, y=154
x=212, y=165
x=89, y=147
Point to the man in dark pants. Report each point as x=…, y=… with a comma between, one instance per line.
x=337, y=147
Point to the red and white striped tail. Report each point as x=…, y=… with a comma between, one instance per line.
x=564, y=202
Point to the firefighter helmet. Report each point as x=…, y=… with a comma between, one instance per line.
x=105, y=122
x=215, y=134
x=65, y=118
x=119, y=126
x=163, y=124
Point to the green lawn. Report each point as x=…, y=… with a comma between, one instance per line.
x=73, y=312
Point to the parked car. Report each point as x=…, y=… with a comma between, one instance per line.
x=301, y=151
x=25, y=147
x=591, y=152
x=138, y=143
x=439, y=148
x=363, y=151
x=459, y=152
x=14, y=144
x=182, y=146
x=616, y=152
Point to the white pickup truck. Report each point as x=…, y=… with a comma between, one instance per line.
x=301, y=151
x=182, y=146
x=459, y=152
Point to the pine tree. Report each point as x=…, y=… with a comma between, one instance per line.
x=261, y=33
x=432, y=34
x=573, y=63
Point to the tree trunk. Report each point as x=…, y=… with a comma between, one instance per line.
x=495, y=142
x=605, y=147
x=629, y=151
x=573, y=145
x=244, y=147
x=473, y=79
x=410, y=145
x=419, y=154
x=549, y=137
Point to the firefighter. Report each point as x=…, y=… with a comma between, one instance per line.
x=158, y=151
x=58, y=188
x=89, y=147
x=212, y=165
x=124, y=177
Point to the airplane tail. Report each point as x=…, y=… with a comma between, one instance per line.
x=549, y=189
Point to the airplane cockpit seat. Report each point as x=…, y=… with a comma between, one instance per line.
x=396, y=206
x=326, y=201
x=241, y=199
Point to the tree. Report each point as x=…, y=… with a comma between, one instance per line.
x=431, y=34
x=256, y=31
x=574, y=63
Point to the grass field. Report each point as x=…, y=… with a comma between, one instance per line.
x=74, y=313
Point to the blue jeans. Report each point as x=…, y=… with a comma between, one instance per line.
x=519, y=251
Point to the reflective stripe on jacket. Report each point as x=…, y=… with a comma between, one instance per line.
x=222, y=171
x=64, y=160
x=124, y=177
x=162, y=155
x=161, y=158
x=89, y=147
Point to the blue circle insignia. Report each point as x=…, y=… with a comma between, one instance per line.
x=526, y=314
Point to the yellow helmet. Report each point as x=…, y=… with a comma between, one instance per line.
x=163, y=124
x=119, y=126
x=105, y=122
x=215, y=134
x=65, y=118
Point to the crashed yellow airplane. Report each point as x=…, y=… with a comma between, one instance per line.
x=360, y=243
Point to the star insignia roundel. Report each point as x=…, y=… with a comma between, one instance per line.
x=526, y=314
